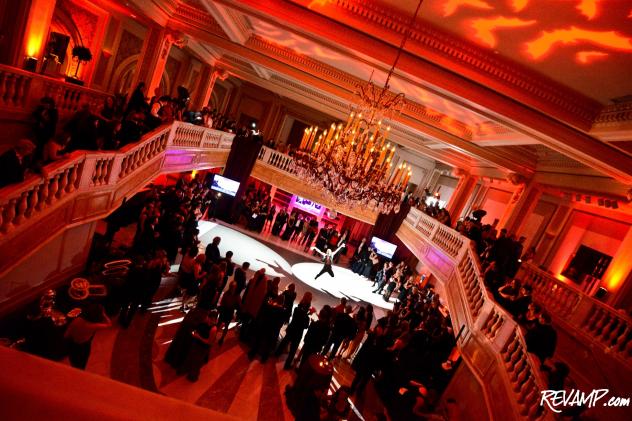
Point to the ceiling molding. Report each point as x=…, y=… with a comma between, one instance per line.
x=233, y=24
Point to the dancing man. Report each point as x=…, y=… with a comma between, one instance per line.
x=328, y=258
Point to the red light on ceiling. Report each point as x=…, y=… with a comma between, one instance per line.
x=451, y=6
x=484, y=28
x=317, y=3
x=588, y=8
x=588, y=57
x=518, y=5
x=549, y=40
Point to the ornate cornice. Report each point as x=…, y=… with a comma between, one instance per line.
x=187, y=13
x=615, y=115
x=456, y=50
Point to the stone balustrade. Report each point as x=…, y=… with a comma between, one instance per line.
x=25, y=201
x=21, y=91
x=493, y=345
x=585, y=316
x=87, y=185
x=191, y=136
x=281, y=161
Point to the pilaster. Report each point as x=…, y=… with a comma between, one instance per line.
x=155, y=54
x=522, y=202
x=462, y=193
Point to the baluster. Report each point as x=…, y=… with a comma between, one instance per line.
x=9, y=214
x=21, y=208
x=52, y=190
x=42, y=194
x=109, y=171
x=619, y=343
x=32, y=203
x=19, y=82
x=123, y=167
x=603, y=320
x=612, y=329
x=9, y=89
x=104, y=170
x=72, y=178
x=63, y=181
x=97, y=172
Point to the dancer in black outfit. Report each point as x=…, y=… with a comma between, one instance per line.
x=328, y=258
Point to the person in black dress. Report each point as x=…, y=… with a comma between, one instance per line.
x=279, y=221
x=269, y=324
x=328, y=258
x=317, y=334
x=294, y=331
x=203, y=337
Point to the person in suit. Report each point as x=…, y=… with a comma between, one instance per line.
x=12, y=162
x=213, y=255
x=241, y=276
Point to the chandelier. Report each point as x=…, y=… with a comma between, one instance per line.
x=351, y=163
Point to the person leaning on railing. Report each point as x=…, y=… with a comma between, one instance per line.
x=14, y=162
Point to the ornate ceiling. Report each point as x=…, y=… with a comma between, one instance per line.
x=583, y=44
x=492, y=86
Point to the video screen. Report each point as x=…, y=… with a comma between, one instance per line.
x=383, y=248
x=225, y=185
x=307, y=205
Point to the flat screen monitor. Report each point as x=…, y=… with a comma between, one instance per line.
x=383, y=248
x=225, y=185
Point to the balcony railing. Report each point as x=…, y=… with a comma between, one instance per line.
x=20, y=91
x=583, y=315
x=276, y=159
x=491, y=343
x=89, y=185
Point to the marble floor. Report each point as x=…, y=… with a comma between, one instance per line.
x=230, y=382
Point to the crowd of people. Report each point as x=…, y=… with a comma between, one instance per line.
x=117, y=122
x=295, y=227
x=501, y=254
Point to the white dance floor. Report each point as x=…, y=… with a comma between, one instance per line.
x=245, y=248
x=345, y=283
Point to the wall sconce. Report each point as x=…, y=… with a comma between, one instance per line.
x=30, y=64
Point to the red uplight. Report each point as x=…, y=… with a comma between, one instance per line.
x=549, y=40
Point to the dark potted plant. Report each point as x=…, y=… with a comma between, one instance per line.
x=82, y=54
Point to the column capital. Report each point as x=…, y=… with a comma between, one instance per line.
x=517, y=179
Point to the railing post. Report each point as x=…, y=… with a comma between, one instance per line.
x=172, y=133
x=89, y=165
